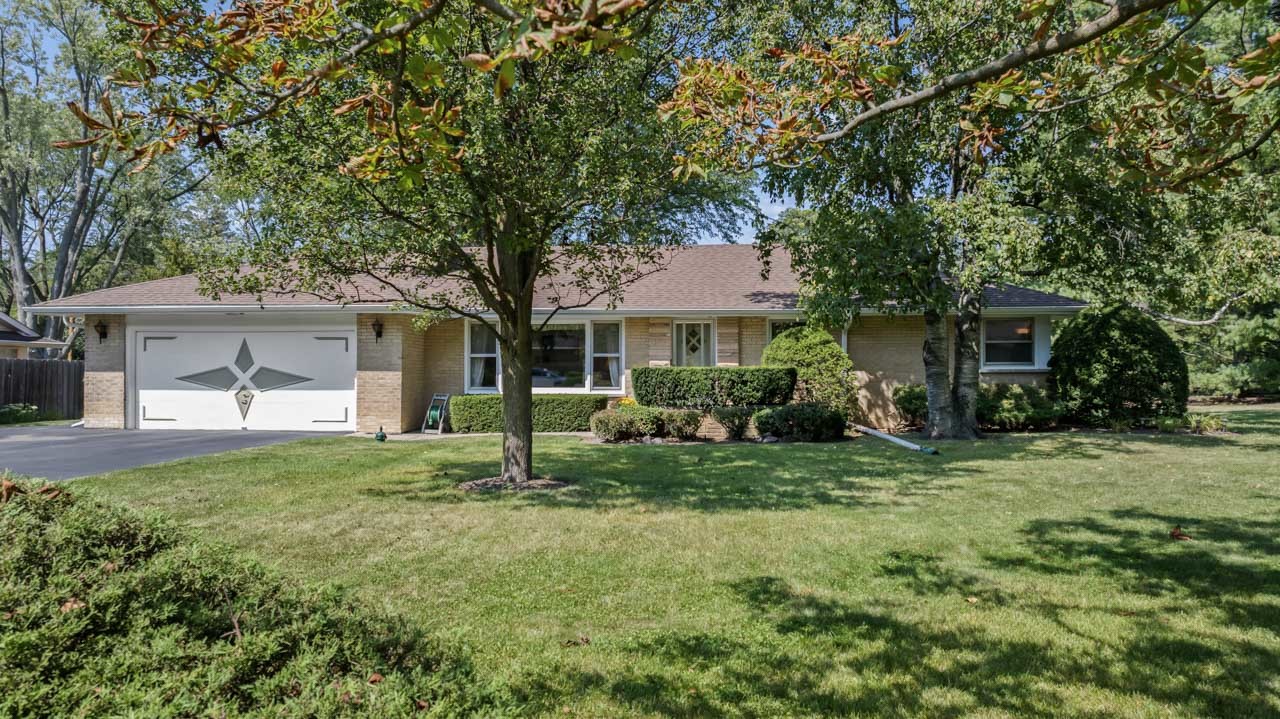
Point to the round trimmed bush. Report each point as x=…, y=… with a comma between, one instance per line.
x=610, y=425
x=648, y=419
x=1116, y=363
x=682, y=424
x=824, y=372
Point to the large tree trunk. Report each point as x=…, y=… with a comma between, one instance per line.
x=517, y=406
x=964, y=423
x=937, y=377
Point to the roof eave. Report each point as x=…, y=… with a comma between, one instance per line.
x=625, y=312
x=65, y=310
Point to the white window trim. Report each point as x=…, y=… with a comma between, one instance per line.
x=715, y=332
x=587, y=327
x=1034, y=365
x=466, y=363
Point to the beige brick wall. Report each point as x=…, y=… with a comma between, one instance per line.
x=752, y=338
x=442, y=364
x=636, y=334
x=104, y=377
x=391, y=386
x=413, y=389
x=659, y=341
x=889, y=351
x=886, y=352
x=727, y=354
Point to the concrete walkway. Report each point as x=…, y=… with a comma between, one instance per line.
x=418, y=437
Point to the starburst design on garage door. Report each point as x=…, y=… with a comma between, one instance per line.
x=236, y=376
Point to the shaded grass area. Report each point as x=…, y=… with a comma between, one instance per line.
x=1023, y=575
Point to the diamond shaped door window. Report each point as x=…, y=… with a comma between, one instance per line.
x=236, y=376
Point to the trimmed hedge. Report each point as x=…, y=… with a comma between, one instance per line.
x=551, y=412
x=707, y=387
x=1117, y=363
x=1000, y=406
x=632, y=421
x=108, y=612
x=806, y=422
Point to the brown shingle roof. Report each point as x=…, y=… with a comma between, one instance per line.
x=702, y=278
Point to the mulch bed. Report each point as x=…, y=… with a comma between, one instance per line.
x=498, y=484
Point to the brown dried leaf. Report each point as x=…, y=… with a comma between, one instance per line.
x=85, y=117
x=8, y=490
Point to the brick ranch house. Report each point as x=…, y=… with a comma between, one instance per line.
x=158, y=355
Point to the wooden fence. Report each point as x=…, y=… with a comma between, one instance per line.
x=55, y=386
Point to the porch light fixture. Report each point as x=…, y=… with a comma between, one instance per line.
x=101, y=328
x=377, y=330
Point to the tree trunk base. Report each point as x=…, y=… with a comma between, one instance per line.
x=505, y=484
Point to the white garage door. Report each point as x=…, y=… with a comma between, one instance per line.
x=246, y=380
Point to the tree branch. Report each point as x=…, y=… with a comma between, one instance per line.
x=1122, y=12
x=1212, y=319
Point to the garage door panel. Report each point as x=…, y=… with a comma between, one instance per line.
x=283, y=380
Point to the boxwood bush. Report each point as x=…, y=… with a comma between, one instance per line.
x=1000, y=406
x=612, y=425
x=631, y=421
x=735, y=420
x=824, y=372
x=551, y=412
x=107, y=612
x=682, y=423
x=707, y=387
x=806, y=422
x=649, y=421
x=1116, y=363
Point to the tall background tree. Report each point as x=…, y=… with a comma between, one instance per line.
x=72, y=216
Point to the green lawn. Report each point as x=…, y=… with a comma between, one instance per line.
x=1018, y=576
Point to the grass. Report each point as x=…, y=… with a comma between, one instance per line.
x=1019, y=576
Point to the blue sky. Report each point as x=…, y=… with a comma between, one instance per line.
x=771, y=209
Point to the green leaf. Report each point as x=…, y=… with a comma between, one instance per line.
x=506, y=78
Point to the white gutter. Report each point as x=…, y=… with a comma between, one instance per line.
x=389, y=308
x=202, y=309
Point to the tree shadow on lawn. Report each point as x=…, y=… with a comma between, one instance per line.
x=785, y=476
x=1199, y=638
x=699, y=477
x=1231, y=565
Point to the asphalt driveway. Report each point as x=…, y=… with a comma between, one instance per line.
x=66, y=452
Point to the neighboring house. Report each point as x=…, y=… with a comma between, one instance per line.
x=158, y=355
x=17, y=339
